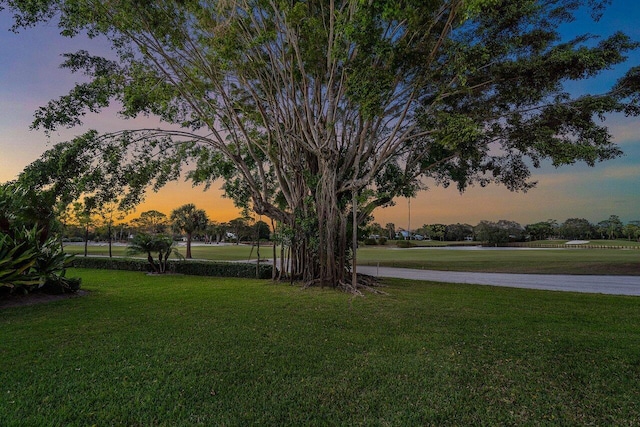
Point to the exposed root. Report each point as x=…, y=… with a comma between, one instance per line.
x=365, y=283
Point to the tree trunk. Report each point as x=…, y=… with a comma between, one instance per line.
x=325, y=263
x=86, y=240
x=152, y=262
x=188, y=246
x=354, y=272
x=110, y=240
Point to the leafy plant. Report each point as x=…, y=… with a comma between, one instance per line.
x=151, y=244
x=31, y=256
x=17, y=259
x=51, y=266
x=26, y=264
x=189, y=267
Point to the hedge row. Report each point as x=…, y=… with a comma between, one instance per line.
x=193, y=268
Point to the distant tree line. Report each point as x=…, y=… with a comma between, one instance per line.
x=81, y=224
x=504, y=231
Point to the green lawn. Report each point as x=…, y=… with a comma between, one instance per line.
x=179, y=350
x=540, y=261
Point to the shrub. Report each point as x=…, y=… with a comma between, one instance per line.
x=405, y=244
x=370, y=241
x=17, y=259
x=51, y=267
x=193, y=268
x=382, y=241
x=27, y=265
x=159, y=244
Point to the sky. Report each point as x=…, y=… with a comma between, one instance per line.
x=30, y=76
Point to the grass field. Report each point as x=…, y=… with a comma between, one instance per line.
x=179, y=350
x=540, y=261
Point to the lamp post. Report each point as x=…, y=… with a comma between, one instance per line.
x=409, y=225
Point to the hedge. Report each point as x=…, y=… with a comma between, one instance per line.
x=193, y=268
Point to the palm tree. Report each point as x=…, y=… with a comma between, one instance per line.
x=189, y=220
x=153, y=244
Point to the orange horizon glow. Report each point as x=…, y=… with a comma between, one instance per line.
x=559, y=195
x=175, y=194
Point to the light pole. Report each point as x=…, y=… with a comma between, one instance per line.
x=409, y=225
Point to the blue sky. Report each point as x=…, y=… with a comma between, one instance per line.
x=30, y=76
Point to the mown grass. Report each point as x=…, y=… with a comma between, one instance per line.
x=538, y=261
x=180, y=350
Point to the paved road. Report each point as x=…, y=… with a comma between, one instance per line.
x=613, y=285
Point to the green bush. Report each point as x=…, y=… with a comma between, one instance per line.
x=193, y=268
x=27, y=265
x=128, y=264
x=370, y=241
x=17, y=258
x=382, y=241
x=405, y=244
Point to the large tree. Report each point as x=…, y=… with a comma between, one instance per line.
x=151, y=222
x=576, y=228
x=316, y=112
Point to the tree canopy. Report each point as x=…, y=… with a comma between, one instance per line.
x=312, y=111
x=189, y=219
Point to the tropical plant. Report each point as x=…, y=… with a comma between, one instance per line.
x=154, y=244
x=27, y=265
x=189, y=219
x=31, y=256
x=51, y=268
x=17, y=258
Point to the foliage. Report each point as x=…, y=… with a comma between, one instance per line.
x=22, y=207
x=31, y=256
x=216, y=231
x=632, y=230
x=458, y=232
x=542, y=230
x=51, y=267
x=114, y=263
x=576, y=228
x=190, y=220
x=391, y=230
x=370, y=241
x=405, y=244
x=435, y=231
x=154, y=244
x=263, y=231
x=503, y=231
x=241, y=228
x=27, y=265
x=192, y=268
x=17, y=258
x=224, y=269
x=151, y=222
x=610, y=228
x=311, y=111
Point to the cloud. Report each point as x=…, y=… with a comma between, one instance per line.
x=623, y=129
